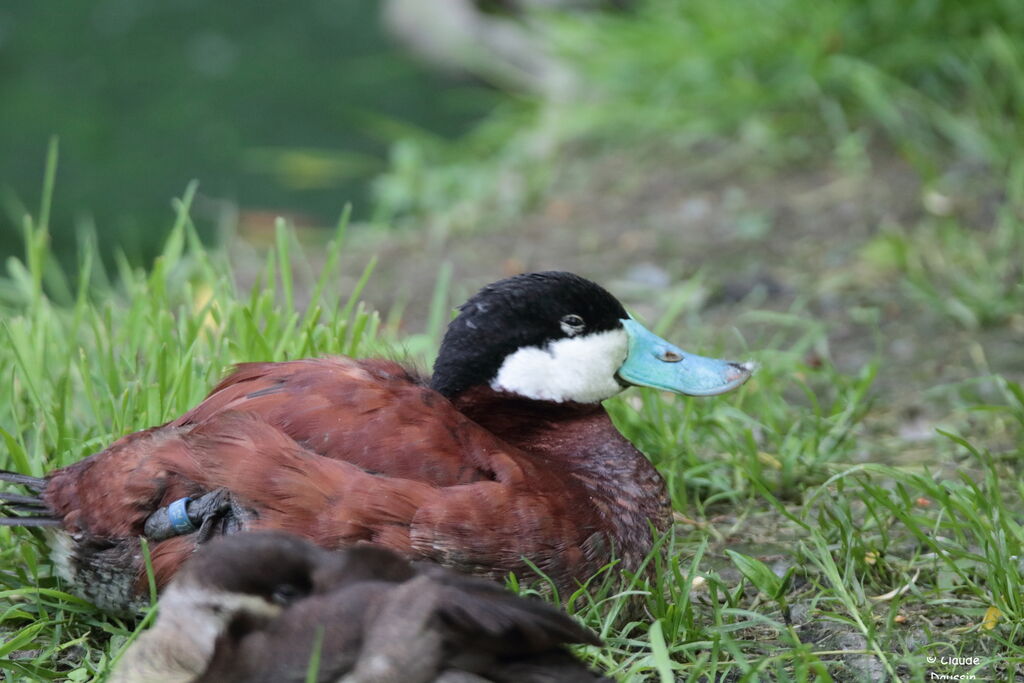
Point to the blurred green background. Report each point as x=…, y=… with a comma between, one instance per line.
x=648, y=142
x=275, y=108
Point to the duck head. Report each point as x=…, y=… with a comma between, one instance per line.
x=233, y=585
x=555, y=336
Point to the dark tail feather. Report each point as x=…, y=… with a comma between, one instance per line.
x=17, y=498
x=13, y=504
x=29, y=521
x=36, y=484
x=34, y=510
x=505, y=623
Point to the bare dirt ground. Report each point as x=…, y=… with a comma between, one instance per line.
x=755, y=238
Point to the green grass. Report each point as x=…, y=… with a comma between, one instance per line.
x=814, y=542
x=975, y=278
x=864, y=543
x=894, y=551
x=779, y=82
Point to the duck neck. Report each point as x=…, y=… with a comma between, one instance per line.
x=583, y=439
x=560, y=430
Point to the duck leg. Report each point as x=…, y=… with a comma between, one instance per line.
x=211, y=514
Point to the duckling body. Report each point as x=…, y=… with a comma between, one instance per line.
x=486, y=468
x=253, y=606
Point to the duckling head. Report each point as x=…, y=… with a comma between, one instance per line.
x=259, y=573
x=233, y=583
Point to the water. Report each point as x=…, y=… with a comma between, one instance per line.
x=277, y=107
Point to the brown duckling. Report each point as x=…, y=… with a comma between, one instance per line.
x=255, y=607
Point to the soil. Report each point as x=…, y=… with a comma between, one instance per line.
x=754, y=237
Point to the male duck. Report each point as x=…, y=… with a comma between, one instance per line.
x=505, y=453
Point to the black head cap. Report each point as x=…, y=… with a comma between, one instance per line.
x=531, y=309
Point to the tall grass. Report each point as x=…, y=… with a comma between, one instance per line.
x=868, y=548
x=131, y=354
x=90, y=360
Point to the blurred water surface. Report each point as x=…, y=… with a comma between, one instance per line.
x=274, y=107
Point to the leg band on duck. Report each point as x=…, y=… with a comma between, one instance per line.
x=211, y=514
x=177, y=515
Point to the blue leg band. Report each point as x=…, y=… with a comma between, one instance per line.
x=178, y=516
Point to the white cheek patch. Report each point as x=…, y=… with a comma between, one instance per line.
x=580, y=369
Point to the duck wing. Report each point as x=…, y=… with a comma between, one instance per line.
x=486, y=616
x=372, y=413
x=485, y=526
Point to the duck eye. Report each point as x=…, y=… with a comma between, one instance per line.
x=571, y=324
x=287, y=593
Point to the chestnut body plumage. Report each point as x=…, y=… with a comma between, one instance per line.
x=505, y=454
